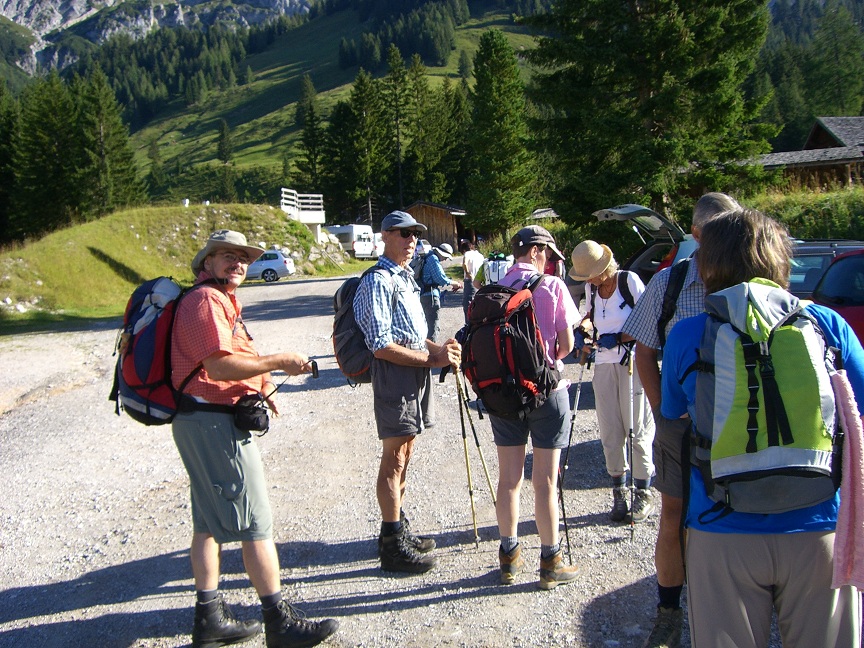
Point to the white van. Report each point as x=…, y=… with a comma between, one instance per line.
x=356, y=240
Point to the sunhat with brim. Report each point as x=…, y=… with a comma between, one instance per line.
x=400, y=220
x=536, y=235
x=589, y=260
x=228, y=240
x=445, y=250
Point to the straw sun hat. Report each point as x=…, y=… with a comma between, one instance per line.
x=589, y=260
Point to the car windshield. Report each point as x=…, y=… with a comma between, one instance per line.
x=843, y=283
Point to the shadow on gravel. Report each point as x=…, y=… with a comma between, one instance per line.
x=609, y=619
x=150, y=578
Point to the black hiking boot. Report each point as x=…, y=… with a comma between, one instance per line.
x=398, y=554
x=216, y=626
x=620, y=510
x=287, y=627
x=422, y=544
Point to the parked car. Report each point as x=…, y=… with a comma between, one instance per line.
x=379, y=246
x=423, y=247
x=811, y=258
x=356, y=240
x=271, y=266
x=841, y=288
x=664, y=242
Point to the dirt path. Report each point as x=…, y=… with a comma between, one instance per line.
x=95, y=521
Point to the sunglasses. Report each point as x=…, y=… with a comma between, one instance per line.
x=405, y=233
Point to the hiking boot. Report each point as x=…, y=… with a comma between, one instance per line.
x=553, y=572
x=398, y=554
x=420, y=543
x=667, y=629
x=511, y=564
x=215, y=625
x=620, y=510
x=287, y=627
x=643, y=505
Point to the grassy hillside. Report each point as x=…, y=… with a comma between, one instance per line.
x=261, y=114
x=89, y=270
x=15, y=43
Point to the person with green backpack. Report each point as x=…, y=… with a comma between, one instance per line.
x=753, y=375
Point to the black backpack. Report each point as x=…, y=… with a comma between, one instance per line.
x=503, y=355
x=349, y=344
x=677, y=274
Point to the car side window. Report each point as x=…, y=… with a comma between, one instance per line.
x=843, y=283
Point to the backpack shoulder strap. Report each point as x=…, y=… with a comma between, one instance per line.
x=677, y=274
x=624, y=289
x=533, y=281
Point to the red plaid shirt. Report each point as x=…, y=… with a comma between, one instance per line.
x=208, y=321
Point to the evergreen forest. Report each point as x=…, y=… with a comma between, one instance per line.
x=434, y=100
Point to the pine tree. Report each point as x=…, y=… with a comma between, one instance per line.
x=307, y=96
x=635, y=93
x=340, y=172
x=500, y=183
x=156, y=178
x=464, y=64
x=397, y=105
x=836, y=65
x=370, y=140
x=225, y=143
x=110, y=175
x=308, y=175
x=9, y=116
x=49, y=152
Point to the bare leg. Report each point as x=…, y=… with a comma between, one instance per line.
x=544, y=476
x=262, y=565
x=511, y=472
x=667, y=551
x=395, y=456
x=205, y=555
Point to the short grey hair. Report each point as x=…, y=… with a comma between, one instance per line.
x=711, y=205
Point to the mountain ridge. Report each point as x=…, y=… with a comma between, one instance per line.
x=53, y=24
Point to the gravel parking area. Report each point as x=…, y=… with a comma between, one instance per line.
x=95, y=524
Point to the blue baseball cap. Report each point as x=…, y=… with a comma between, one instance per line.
x=400, y=220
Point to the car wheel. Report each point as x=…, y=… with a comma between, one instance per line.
x=269, y=275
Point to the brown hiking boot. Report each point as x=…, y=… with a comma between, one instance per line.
x=398, y=554
x=511, y=564
x=553, y=572
x=666, y=632
x=643, y=505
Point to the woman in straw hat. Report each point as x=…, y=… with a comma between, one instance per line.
x=609, y=297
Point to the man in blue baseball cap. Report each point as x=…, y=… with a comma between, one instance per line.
x=388, y=310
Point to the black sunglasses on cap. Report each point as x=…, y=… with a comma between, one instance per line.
x=405, y=233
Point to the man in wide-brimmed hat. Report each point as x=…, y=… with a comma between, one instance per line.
x=215, y=365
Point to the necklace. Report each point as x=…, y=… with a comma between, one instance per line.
x=605, y=287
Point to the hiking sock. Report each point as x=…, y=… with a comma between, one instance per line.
x=547, y=551
x=641, y=483
x=670, y=597
x=205, y=596
x=508, y=543
x=390, y=528
x=620, y=480
x=270, y=601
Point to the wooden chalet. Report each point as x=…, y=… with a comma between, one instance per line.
x=444, y=222
x=833, y=152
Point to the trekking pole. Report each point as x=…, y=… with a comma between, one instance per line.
x=563, y=471
x=464, y=398
x=630, y=437
x=468, y=470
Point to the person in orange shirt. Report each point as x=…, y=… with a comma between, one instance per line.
x=215, y=365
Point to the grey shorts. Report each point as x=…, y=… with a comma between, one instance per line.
x=667, y=454
x=226, y=478
x=402, y=399
x=548, y=426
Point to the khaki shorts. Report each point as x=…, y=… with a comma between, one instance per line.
x=226, y=478
x=548, y=425
x=668, y=437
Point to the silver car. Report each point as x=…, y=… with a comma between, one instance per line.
x=271, y=266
